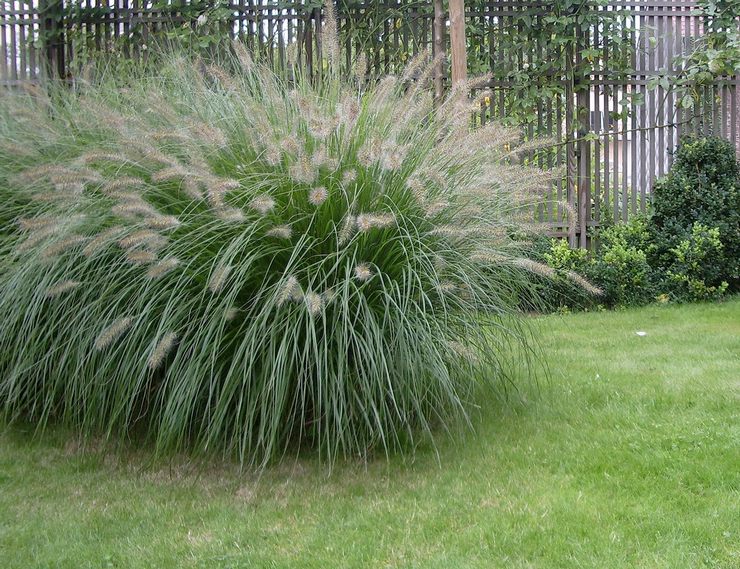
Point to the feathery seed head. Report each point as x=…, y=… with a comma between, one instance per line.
x=436, y=208
x=69, y=188
x=348, y=229
x=303, y=170
x=115, y=188
x=534, y=267
x=314, y=303
x=367, y=221
x=62, y=287
x=363, y=272
x=348, y=111
x=161, y=350
x=162, y=222
x=140, y=256
x=317, y=196
x=262, y=204
x=331, y=37
x=208, y=134
x=169, y=174
x=79, y=176
x=112, y=333
x=329, y=295
x=280, y=231
x=101, y=240
x=54, y=197
x=162, y=267
x=37, y=173
x=392, y=157
x=348, y=177
x=584, y=284
x=144, y=237
x=289, y=145
x=36, y=236
x=219, y=74
x=191, y=186
x=215, y=198
x=462, y=351
x=417, y=187
x=360, y=69
x=98, y=157
x=33, y=223
x=133, y=208
x=230, y=214
x=218, y=278
x=321, y=159
x=488, y=257
x=454, y=231
x=224, y=185
x=289, y=290
x=155, y=155
x=245, y=60
x=62, y=246
x=369, y=153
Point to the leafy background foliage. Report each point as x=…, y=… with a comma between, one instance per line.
x=685, y=249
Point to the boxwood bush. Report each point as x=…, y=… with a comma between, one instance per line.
x=686, y=249
x=702, y=187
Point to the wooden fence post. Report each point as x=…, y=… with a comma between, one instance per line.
x=458, y=44
x=583, y=149
x=438, y=47
x=571, y=165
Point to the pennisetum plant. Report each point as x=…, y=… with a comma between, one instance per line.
x=228, y=261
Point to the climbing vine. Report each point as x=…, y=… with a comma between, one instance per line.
x=714, y=55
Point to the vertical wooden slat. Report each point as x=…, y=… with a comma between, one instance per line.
x=437, y=48
x=457, y=41
x=661, y=63
x=32, y=40
x=22, y=46
x=13, y=53
x=637, y=90
x=583, y=107
x=607, y=122
x=596, y=127
x=4, y=70
x=571, y=150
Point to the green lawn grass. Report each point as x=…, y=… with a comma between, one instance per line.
x=628, y=457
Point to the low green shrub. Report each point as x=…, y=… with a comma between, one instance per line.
x=558, y=282
x=229, y=262
x=703, y=186
x=620, y=267
x=696, y=262
x=686, y=249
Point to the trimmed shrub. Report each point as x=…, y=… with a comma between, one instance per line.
x=225, y=261
x=696, y=261
x=621, y=266
x=703, y=186
x=687, y=249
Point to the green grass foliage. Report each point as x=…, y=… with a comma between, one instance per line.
x=216, y=258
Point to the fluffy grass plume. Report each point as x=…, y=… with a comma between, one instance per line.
x=264, y=264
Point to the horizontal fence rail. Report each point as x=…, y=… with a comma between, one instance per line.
x=616, y=132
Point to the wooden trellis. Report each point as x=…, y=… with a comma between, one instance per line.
x=612, y=161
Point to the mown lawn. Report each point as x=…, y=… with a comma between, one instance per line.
x=629, y=457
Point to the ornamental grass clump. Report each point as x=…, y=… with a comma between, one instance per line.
x=221, y=260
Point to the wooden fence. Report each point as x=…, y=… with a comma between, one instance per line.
x=617, y=135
